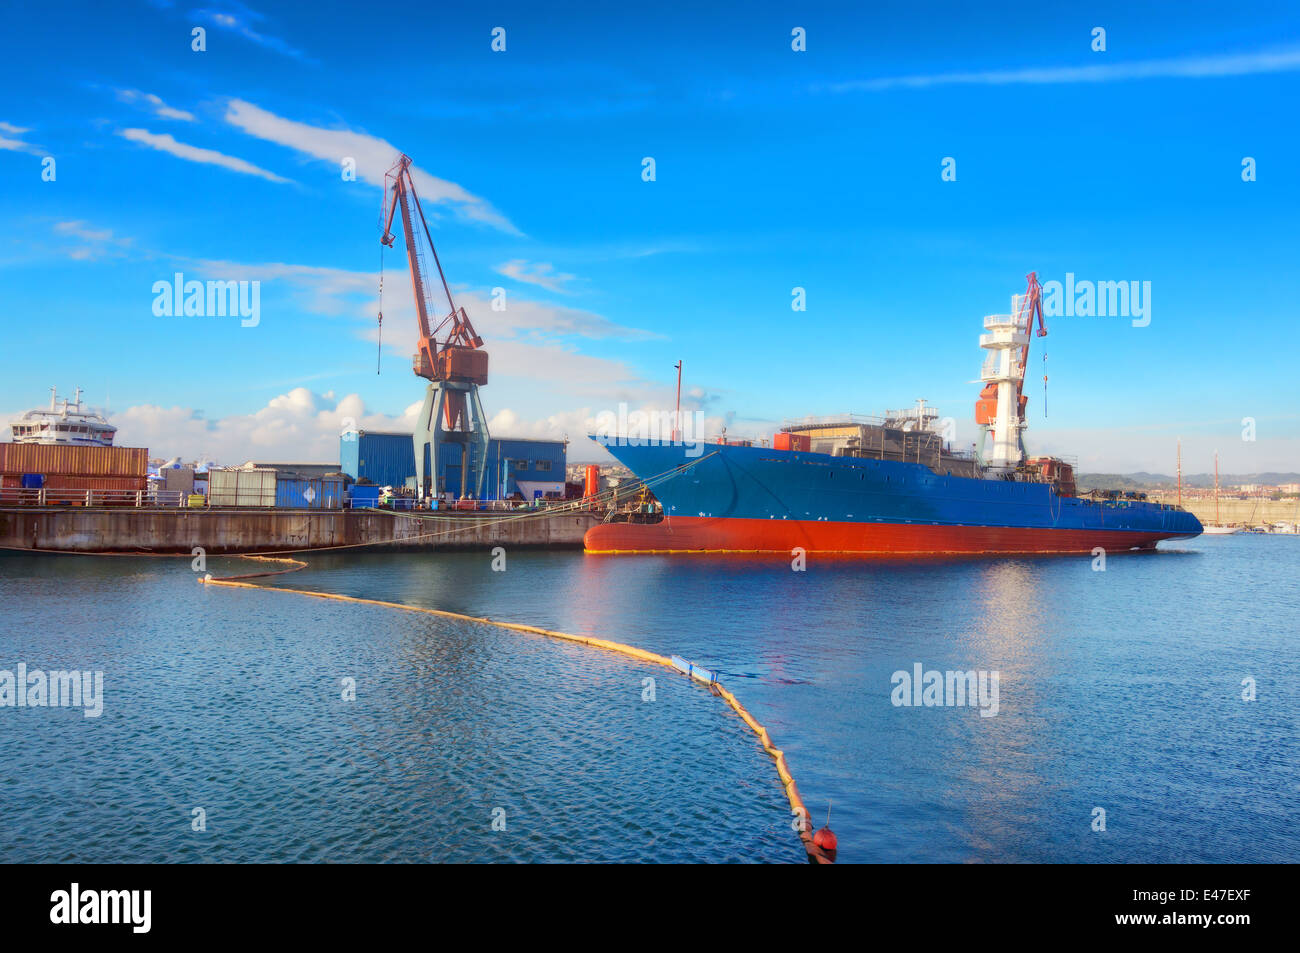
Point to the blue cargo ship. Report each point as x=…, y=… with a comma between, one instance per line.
x=762, y=499
x=891, y=484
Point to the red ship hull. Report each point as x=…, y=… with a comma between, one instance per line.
x=693, y=534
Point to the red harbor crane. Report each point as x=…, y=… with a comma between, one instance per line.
x=449, y=355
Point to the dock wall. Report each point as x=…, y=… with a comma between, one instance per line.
x=216, y=531
x=1240, y=512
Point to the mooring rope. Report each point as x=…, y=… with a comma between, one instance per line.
x=576, y=506
x=788, y=784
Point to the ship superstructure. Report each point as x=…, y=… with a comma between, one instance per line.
x=69, y=424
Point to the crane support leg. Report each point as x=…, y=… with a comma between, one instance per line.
x=442, y=398
x=480, y=442
x=426, y=435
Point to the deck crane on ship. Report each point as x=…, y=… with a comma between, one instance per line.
x=449, y=356
x=1000, y=408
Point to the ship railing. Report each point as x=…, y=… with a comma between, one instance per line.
x=1069, y=459
x=458, y=507
x=45, y=496
x=992, y=367
x=27, y=496
x=832, y=420
x=1017, y=339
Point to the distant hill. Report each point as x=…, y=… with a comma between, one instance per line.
x=1154, y=481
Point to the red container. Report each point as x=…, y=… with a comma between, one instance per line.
x=792, y=441
x=60, y=481
x=72, y=460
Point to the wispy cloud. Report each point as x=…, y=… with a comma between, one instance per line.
x=90, y=243
x=160, y=108
x=340, y=292
x=1182, y=67
x=164, y=142
x=236, y=18
x=542, y=274
x=10, y=141
x=373, y=157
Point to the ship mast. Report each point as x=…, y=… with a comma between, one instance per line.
x=1180, y=471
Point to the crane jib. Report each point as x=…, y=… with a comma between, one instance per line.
x=457, y=356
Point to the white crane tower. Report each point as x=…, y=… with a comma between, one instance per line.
x=1001, y=405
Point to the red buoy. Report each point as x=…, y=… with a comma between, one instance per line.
x=825, y=839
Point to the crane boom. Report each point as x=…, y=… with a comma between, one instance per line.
x=1031, y=305
x=458, y=355
x=1000, y=409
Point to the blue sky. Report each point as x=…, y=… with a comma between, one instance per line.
x=774, y=169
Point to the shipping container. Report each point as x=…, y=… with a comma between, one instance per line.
x=325, y=493
x=73, y=460
x=237, y=487
x=59, y=481
x=792, y=441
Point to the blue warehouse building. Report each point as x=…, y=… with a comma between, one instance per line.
x=533, y=469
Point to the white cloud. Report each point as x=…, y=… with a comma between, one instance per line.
x=1182, y=67
x=90, y=243
x=237, y=18
x=160, y=108
x=299, y=427
x=16, y=144
x=540, y=273
x=82, y=230
x=373, y=156
x=529, y=340
x=166, y=143
x=339, y=292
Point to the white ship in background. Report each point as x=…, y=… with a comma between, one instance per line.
x=70, y=424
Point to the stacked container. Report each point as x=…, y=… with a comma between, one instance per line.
x=66, y=467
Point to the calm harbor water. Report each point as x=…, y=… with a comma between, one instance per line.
x=1119, y=690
